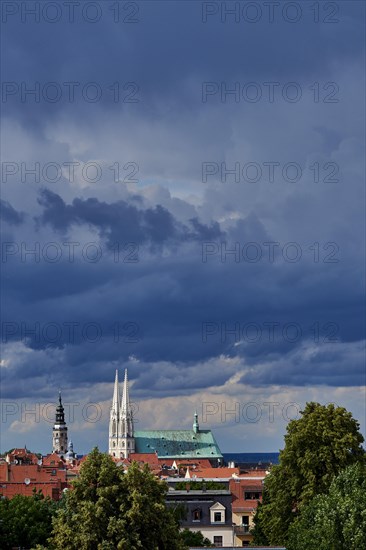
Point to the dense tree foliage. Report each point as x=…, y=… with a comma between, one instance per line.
x=319, y=445
x=336, y=520
x=108, y=509
x=25, y=521
x=191, y=538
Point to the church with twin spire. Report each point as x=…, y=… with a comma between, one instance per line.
x=126, y=442
x=121, y=429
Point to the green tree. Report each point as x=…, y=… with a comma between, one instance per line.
x=107, y=509
x=336, y=520
x=196, y=538
x=25, y=521
x=320, y=444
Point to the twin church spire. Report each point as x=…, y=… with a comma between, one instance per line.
x=121, y=429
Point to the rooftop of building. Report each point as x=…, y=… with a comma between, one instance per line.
x=178, y=443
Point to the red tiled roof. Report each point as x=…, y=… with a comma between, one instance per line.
x=146, y=458
x=53, y=459
x=24, y=478
x=22, y=455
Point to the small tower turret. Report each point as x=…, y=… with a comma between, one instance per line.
x=70, y=455
x=196, y=427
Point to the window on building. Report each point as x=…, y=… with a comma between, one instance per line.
x=196, y=515
x=217, y=516
x=217, y=540
x=252, y=495
x=53, y=473
x=245, y=522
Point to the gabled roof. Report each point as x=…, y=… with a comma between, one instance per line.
x=217, y=506
x=178, y=443
x=53, y=459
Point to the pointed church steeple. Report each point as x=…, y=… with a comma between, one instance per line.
x=121, y=429
x=126, y=411
x=114, y=419
x=116, y=397
x=125, y=405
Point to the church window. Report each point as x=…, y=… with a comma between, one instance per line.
x=114, y=443
x=196, y=515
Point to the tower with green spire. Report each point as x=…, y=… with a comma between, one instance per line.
x=196, y=427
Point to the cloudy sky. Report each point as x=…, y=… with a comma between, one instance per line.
x=182, y=195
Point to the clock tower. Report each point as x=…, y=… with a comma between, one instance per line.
x=59, y=432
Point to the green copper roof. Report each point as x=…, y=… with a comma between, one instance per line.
x=177, y=443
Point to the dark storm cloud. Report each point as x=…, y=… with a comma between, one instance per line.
x=332, y=364
x=172, y=49
x=171, y=297
x=9, y=214
x=121, y=221
x=170, y=292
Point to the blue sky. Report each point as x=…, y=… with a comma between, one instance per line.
x=191, y=182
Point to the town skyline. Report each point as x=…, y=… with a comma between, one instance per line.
x=88, y=422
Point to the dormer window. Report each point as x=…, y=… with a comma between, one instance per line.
x=196, y=514
x=217, y=513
